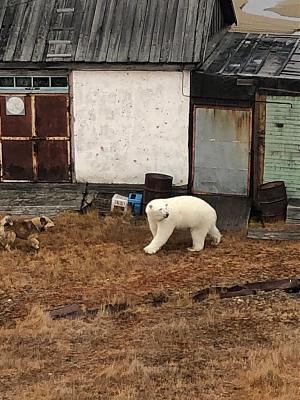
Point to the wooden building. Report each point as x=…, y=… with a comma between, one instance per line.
x=245, y=124
x=98, y=91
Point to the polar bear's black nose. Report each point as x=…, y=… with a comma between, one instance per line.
x=167, y=214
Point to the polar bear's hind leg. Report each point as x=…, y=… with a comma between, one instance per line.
x=198, y=236
x=215, y=234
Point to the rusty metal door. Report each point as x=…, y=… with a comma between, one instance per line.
x=35, y=141
x=221, y=152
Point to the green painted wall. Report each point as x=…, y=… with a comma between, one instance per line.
x=282, y=143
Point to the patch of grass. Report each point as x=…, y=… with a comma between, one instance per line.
x=175, y=349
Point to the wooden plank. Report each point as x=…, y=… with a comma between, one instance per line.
x=202, y=30
x=177, y=48
x=70, y=311
x=65, y=10
x=158, y=32
x=292, y=68
x=24, y=30
x=59, y=55
x=96, y=32
x=31, y=31
x=273, y=235
x=66, y=23
x=258, y=143
x=45, y=22
x=169, y=30
x=57, y=21
x=287, y=285
x=146, y=39
x=288, y=58
x=295, y=58
x=85, y=31
x=127, y=29
x=257, y=60
x=58, y=41
x=106, y=32
x=14, y=33
x=39, y=198
x=76, y=23
x=293, y=213
x=29, y=187
x=2, y=11
x=115, y=36
x=6, y=29
x=190, y=31
x=240, y=58
x=137, y=32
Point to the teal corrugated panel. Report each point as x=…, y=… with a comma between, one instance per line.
x=282, y=142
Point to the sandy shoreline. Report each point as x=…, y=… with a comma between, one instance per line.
x=255, y=23
x=287, y=8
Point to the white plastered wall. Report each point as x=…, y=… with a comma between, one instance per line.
x=128, y=123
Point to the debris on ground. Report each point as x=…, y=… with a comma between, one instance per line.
x=287, y=285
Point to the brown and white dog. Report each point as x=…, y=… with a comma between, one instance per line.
x=25, y=229
x=7, y=238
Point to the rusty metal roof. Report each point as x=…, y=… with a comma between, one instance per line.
x=253, y=54
x=110, y=31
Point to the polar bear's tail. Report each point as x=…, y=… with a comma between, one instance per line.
x=215, y=234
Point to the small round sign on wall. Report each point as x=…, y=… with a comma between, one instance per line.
x=15, y=105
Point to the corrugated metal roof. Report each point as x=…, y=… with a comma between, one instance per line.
x=256, y=55
x=156, y=31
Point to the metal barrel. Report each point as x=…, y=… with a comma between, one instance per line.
x=272, y=200
x=156, y=186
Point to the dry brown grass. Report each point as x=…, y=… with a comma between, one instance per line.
x=237, y=349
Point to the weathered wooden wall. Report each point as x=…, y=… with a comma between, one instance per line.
x=40, y=198
x=155, y=31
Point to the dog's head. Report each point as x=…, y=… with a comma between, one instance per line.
x=7, y=221
x=42, y=223
x=158, y=209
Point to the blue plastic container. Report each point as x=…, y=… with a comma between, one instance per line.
x=135, y=199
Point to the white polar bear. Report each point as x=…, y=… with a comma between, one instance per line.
x=181, y=212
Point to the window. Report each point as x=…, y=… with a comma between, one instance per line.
x=33, y=84
x=59, y=81
x=23, y=81
x=6, y=81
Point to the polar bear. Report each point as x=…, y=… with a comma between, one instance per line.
x=181, y=212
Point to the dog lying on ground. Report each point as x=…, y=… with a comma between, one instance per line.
x=25, y=229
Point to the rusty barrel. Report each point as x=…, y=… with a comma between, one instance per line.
x=156, y=186
x=272, y=200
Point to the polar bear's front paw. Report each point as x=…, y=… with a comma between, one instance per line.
x=150, y=250
x=194, y=249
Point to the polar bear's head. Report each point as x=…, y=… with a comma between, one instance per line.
x=157, y=209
